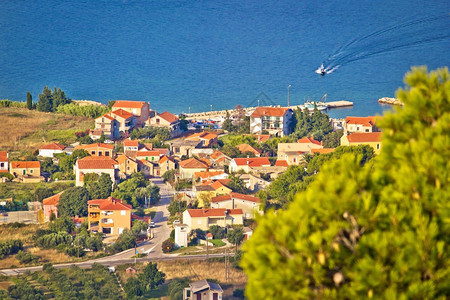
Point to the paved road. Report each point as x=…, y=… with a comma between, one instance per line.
x=152, y=247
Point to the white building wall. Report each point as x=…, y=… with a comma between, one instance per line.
x=181, y=235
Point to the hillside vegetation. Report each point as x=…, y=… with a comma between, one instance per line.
x=25, y=130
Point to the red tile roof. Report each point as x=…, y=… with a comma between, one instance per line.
x=322, y=151
x=128, y=104
x=192, y=163
x=253, y=161
x=25, y=164
x=122, y=158
x=168, y=117
x=364, y=121
x=208, y=174
x=110, y=203
x=164, y=158
x=216, y=154
x=131, y=143
x=262, y=137
x=201, y=136
x=53, y=200
x=162, y=151
x=106, y=116
x=269, y=111
x=96, y=162
x=3, y=156
x=53, y=146
x=213, y=212
x=147, y=153
x=307, y=140
x=235, y=196
x=364, y=137
x=281, y=163
x=123, y=114
x=95, y=145
x=246, y=147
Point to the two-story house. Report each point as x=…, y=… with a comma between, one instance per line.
x=26, y=171
x=50, y=205
x=293, y=153
x=250, y=205
x=361, y=124
x=98, y=149
x=109, y=126
x=248, y=164
x=4, y=162
x=50, y=150
x=190, y=166
x=166, y=120
x=139, y=109
x=203, y=290
x=97, y=165
x=373, y=139
x=204, y=218
x=275, y=120
x=109, y=216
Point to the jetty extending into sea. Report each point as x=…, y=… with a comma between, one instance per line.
x=220, y=114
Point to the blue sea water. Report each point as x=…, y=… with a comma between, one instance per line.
x=189, y=55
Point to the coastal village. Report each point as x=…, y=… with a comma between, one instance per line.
x=214, y=173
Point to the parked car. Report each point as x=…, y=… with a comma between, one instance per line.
x=152, y=225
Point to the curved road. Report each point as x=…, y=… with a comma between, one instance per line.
x=152, y=247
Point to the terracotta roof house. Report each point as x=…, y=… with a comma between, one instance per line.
x=127, y=121
x=127, y=165
x=51, y=206
x=139, y=109
x=109, y=216
x=275, y=120
x=167, y=163
x=95, y=164
x=373, y=139
x=162, y=151
x=250, y=205
x=207, y=139
x=108, y=126
x=152, y=156
x=210, y=175
x=98, y=149
x=167, y=120
x=4, y=162
x=281, y=163
x=253, y=183
x=189, y=166
x=50, y=149
x=203, y=218
x=361, y=124
x=208, y=190
x=248, y=164
x=246, y=147
x=309, y=140
x=203, y=290
x=293, y=153
x=26, y=171
x=219, y=159
x=96, y=134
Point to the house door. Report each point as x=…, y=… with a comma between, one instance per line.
x=215, y=296
x=199, y=296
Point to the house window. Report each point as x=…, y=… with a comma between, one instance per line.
x=24, y=172
x=153, y=158
x=100, y=153
x=367, y=130
x=378, y=146
x=92, y=152
x=31, y=171
x=106, y=153
x=157, y=121
x=357, y=128
x=2, y=165
x=295, y=159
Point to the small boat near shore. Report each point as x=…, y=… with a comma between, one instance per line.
x=320, y=105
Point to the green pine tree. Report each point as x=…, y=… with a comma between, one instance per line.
x=376, y=230
x=45, y=102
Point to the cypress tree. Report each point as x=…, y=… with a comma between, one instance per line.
x=29, y=101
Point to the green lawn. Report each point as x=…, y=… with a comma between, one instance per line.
x=160, y=291
x=217, y=243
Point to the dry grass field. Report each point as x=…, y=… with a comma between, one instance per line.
x=195, y=270
x=25, y=130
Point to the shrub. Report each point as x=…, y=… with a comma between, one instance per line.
x=54, y=239
x=168, y=246
x=10, y=247
x=74, y=251
x=26, y=257
x=238, y=293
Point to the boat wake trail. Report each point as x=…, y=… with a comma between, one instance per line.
x=393, y=38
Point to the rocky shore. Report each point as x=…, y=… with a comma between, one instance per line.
x=391, y=101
